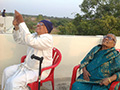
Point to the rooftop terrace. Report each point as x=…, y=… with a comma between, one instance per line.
x=73, y=49
x=60, y=84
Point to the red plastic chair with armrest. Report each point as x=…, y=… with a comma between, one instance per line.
x=74, y=74
x=56, y=55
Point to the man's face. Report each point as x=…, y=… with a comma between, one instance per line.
x=109, y=40
x=41, y=28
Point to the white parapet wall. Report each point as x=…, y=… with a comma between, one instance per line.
x=6, y=24
x=73, y=49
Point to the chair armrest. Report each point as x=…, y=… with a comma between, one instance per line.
x=74, y=73
x=118, y=50
x=49, y=67
x=112, y=86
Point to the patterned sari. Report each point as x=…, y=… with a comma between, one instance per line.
x=100, y=64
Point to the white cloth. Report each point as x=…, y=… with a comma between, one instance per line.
x=17, y=77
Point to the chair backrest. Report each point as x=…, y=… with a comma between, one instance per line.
x=56, y=55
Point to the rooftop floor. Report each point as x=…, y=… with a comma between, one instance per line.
x=60, y=84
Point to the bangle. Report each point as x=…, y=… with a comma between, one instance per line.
x=109, y=80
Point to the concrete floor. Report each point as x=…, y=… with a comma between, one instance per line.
x=60, y=84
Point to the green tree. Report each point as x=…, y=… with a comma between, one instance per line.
x=39, y=18
x=68, y=29
x=110, y=24
x=77, y=19
x=107, y=24
x=100, y=17
x=98, y=8
x=58, y=22
x=32, y=26
x=54, y=22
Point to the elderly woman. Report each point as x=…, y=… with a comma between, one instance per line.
x=100, y=67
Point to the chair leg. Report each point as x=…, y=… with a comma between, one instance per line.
x=40, y=84
x=52, y=84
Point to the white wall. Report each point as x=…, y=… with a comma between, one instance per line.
x=6, y=24
x=73, y=49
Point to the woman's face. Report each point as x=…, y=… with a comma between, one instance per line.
x=109, y=41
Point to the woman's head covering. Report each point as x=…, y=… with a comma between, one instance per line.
x=48, y=25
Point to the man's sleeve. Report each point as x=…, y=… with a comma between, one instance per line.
x=17, y=35
x=39, y=42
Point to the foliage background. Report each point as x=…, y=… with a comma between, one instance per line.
x=100, y=17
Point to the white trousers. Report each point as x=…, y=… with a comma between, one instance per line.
x=17, y=77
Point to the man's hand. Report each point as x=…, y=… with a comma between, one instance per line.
x=18, y=17
x=86, y=74
x=15, y=23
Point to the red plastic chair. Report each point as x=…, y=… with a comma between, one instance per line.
x=118, y=50
x=74, y=74
x=56, y=60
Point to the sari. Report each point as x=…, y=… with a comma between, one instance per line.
x=100, y=64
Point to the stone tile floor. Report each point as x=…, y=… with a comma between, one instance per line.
x=60, y=84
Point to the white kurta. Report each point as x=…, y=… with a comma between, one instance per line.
x=17, y=77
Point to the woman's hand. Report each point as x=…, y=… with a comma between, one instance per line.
x=86, y=74
x=108, y=80
x=105, y=81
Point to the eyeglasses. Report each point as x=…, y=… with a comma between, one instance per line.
x=110, y=38
x=41, y=24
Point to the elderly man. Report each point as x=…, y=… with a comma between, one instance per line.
x=17, y=77
x=100, y=67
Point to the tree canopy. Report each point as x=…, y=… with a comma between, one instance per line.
x=99, y=17
x=99, y=8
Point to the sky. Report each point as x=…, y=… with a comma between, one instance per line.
x=55, y=8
